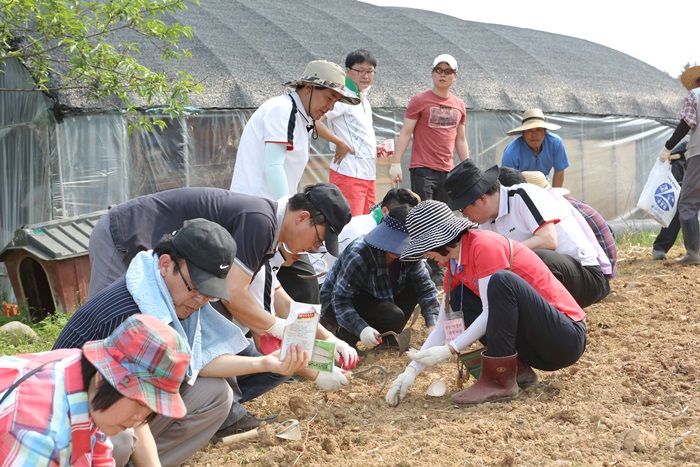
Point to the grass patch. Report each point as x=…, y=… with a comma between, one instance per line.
x=635, y=237
x=47, y=330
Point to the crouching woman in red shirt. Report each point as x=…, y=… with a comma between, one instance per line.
x=509, y=299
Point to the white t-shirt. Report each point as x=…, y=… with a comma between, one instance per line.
x=522, y=210
x=272, y=123
x=353, y=124
x=358, y=226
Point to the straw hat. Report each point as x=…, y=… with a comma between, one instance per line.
x=431, y=225
x=325, y=74
x=689, y=78
x=536, y=177
x=533, y=118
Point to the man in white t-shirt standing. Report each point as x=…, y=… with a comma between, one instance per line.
x=354, y=167
x=274, y=150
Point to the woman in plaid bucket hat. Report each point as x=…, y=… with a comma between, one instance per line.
x=54, y=403
x=508, y=298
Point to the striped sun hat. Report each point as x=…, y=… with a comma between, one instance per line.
x=145, y=360
x=431, y=224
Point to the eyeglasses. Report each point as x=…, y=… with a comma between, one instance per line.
x=443, y=71
x=318, y=237
x=364, y=73
x=199, y=295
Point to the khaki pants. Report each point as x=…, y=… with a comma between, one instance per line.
x=208, y=403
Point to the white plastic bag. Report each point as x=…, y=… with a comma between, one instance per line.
x=659, y=198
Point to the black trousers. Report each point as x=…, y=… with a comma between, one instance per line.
x=381, y=315
x=301, y=290
x=668, y=235
x=429, y=184
x=587, y=284
x=521, y=320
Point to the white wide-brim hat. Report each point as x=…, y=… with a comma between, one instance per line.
x=533, y=118
x=325, y=74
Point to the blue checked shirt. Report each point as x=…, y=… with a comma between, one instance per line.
x=363, y=270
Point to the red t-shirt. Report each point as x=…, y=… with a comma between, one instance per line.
x=485, y=252
x=436, y=129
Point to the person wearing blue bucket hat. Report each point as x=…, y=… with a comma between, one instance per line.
x=370, y=291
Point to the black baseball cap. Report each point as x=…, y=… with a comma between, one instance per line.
x=209, y=251
x=335, y=208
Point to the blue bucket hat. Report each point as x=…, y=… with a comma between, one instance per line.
x=391, y=235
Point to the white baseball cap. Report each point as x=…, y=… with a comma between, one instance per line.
x=447, y=58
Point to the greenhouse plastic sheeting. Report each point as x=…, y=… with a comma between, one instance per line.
x=52, y=170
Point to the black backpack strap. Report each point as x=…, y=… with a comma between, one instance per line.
x=19, y=381
x=292, y=122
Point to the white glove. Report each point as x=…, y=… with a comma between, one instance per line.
x=432, y=356
x=400, y=386
x=664, y=154
x=395, y=173
x=277, y=329
x=331, y=381
x=368, y=336
x=345, y=355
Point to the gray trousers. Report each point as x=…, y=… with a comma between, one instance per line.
x=208, y=402
x=689, y=200
x=107, y=263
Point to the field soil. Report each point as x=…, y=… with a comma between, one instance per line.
x=631, y=400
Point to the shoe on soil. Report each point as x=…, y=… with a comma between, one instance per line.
x=246, y=423
x=690, y=258
x=526, y=375
x=658, y=255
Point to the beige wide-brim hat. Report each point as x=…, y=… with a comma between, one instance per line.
x=536, y=177
x=689, y=78
x=325, y=74
x=533, y=118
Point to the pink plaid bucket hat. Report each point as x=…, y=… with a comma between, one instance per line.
x=145, y=360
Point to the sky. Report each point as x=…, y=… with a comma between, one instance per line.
x=651, y=33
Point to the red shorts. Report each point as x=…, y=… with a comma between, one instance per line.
x=361, y=194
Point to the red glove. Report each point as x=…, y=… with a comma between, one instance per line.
x=269, y=343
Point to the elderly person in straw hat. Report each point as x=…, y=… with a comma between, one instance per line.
x=528, y=214
x=509, y=300
x=87, y=395
x=689, y=201
x=536, y=148
x=369, y=291
x=274, y=150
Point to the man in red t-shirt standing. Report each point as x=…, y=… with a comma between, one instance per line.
x=436, y=120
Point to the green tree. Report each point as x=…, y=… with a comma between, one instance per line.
x=93, y=47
